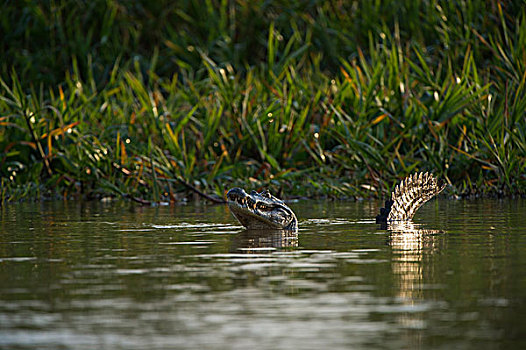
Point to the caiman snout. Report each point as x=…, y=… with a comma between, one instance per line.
x=236, y=193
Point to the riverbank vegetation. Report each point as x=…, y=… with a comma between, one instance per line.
x=156, y=101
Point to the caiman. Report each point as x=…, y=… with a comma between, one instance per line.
x=262, y=211
x=409, y=196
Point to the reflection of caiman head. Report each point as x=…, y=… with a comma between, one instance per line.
x=261, y=210
x=257, y=241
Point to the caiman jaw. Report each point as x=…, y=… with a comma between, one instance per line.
x=260, y=210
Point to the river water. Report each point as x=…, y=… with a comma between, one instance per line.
x=120, y=276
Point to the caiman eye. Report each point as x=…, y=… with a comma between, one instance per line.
x=265, y=193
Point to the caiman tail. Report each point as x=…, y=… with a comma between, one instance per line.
x=410, y=195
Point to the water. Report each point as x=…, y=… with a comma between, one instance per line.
x=119, y=276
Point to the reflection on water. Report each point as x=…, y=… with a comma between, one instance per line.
x=412, y=243
x=117, y=276
x=250, y=241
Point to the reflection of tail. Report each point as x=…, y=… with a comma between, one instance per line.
x=408, y=230
x=408, y=196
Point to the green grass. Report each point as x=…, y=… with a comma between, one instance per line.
x=157, y=100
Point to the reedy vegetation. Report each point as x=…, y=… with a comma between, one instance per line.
x=143, y=99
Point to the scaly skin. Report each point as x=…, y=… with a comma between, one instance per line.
x=259, y=211
x=408, y=196
x=263, y=211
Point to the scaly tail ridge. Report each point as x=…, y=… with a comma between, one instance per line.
x=410, y=195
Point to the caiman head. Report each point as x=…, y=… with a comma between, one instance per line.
x=260, y=211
